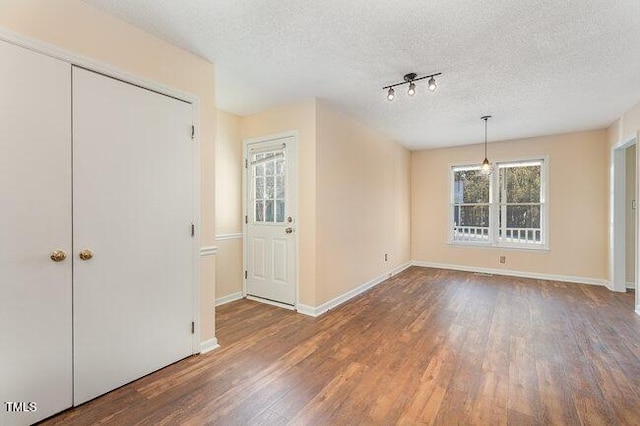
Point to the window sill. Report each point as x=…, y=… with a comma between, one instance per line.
x=511, y=247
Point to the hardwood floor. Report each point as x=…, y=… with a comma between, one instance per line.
x=428, y=346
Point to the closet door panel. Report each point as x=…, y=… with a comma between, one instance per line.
x=133, y=208
x=35, y=220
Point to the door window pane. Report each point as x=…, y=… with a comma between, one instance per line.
x=268, y=211
x=269, y=187
x=280, y=187
x=269, y=168
x=259, y=187
x=280, y=211
x=259, y=211
x=269, y=190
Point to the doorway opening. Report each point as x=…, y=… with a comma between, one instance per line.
x=623, y=218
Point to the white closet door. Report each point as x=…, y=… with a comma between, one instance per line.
x=35, y=220
x=133, y=186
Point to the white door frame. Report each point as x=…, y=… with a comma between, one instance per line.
x=245, y=176
x=108, y=70
x=617, y=221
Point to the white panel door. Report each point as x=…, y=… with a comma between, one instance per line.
x=133, y=207
x=35, y=220
x=271, y=242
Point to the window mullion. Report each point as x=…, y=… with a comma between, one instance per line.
x=495, y=202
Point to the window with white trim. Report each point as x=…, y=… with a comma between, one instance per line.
x=505, y=209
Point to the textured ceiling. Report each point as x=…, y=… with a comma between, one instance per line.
x=539, y=67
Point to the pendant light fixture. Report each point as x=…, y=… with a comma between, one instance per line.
x=486, y=168
x=410, y=79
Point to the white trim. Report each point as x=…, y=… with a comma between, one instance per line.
x=306, y=310
x=617, y=210
x=637, y=309
x=208, y=251
x=225, y=237
x=512, y=273
x=319, y=310
x=506, y=246
x=271, y=302
x=631, y=284
x=65, y=55
x=209, y=345
x=229, y=298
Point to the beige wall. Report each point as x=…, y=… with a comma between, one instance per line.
x=228, y=205
x=363, y=204
x=354, y=198
x=630, y=213
x=301, y=117
x=577, y=173
x=83, y=30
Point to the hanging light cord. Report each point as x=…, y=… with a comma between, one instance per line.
x=485, y=136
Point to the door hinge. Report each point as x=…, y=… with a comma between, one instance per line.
x=246, y=274
x=193, y=132
x=193, y=229
x=193, y=327
x=246, y=219
x=246, y=163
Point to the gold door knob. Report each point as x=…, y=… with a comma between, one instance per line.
x=58, y=255
x=86, y=254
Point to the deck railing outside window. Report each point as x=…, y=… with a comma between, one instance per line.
x=509, y=235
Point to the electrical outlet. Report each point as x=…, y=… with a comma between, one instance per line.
x=503, y=259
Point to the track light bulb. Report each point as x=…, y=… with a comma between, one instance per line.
x=391, y=94
x=412, y=89
x=432, y=84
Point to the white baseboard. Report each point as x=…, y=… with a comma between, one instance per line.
x=631, y=285
x=229, y=298
x=209, y=345
x=306, y=310
x=637, y=309
x=319, y=310
x=512, y=273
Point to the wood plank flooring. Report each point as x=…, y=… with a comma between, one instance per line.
x=427, y=346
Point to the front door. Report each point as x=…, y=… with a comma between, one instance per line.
x=270, y=220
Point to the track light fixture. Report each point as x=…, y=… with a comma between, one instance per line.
x=410, y=79
x=486, y=168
